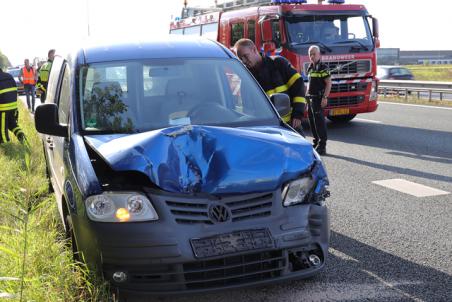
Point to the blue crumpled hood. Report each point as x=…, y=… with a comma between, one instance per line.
x=215, y=160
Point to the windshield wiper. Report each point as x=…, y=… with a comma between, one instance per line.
x=353, y=41
x=322, y=46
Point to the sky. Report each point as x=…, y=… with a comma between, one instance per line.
x=29, y=28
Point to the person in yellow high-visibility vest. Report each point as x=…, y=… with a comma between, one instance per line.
x=8, y=109
x=27, y=77
x=44, y=74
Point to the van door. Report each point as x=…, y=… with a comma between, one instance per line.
x=49, y=141
x=64, y=101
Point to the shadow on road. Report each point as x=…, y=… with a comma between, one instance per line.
x=412, y=281
x=395, y=169
x=433, y=145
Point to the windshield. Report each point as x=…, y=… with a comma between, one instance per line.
x=137, y=96
x=331, y=30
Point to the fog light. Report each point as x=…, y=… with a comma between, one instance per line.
x=119, y=277
x=314, y=259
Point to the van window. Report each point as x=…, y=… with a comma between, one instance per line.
x=65, y=97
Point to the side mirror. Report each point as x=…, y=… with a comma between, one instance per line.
x=46, y=120
x=267, y=30
x=375, y=29
x=281, y=101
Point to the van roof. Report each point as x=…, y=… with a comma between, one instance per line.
x=168, y=47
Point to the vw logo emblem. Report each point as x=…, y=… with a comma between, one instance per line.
x=219, y=213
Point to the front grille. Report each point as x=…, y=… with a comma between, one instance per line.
x=345, y=100
x=197, y=211
x=360, y=66
x=349, y=87
x=234, y=270
x=348, y=67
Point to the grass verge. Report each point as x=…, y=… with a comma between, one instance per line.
x=35, y=261
x=441, y=73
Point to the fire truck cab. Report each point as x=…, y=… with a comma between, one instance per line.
x=346, y=34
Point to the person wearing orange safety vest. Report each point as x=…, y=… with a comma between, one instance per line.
x=27, y=77
x=275, y=75
x=9, y=114
x=44, y=74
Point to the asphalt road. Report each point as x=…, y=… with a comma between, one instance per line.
x=385, y=245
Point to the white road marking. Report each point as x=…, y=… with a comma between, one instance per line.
x=393, y=286
x=414, y=105
x=366, y=120
x=409, y=187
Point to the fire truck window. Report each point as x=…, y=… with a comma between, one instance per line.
x=276, y=33
x=252, y=30
x=177, y=31
x=193, y=31
x=210, y=31
x=236, y=32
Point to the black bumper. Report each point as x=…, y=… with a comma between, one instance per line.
x=158, y=257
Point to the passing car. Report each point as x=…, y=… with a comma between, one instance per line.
x=386, y=72
x=15, y=71
x=174, y=173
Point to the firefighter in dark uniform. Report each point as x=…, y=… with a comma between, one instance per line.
x=275, y=75
x=319, y=87
x=8, y=109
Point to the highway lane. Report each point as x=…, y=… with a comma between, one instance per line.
x=385, y=245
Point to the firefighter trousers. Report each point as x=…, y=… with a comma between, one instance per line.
x=9, y=121
x=317, y=123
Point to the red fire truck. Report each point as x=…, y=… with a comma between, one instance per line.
x=346, y=34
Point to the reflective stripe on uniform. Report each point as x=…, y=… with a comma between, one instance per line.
x=8, y=90
x=278, y=89
x=284, y=87
x=292, y=80
x=321, y=74
x=17, y=131
x=3, y=127
x=299, y=99
x=8, y=106
x=288, y=116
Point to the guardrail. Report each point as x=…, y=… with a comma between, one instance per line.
x=390, y=86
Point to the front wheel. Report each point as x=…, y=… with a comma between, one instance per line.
x=342, y=118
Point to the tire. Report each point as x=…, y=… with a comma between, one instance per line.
x=342, y=118
x=71, y=239
x=49, y=182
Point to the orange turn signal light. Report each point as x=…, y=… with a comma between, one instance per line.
x=122, y=214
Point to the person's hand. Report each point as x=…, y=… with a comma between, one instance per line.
x=324, y=102
x=296, y=123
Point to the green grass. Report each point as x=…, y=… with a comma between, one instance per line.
x=35, y=261
x=414, y=100
x=441, y=73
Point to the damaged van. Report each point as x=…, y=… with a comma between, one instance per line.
x=174, y=172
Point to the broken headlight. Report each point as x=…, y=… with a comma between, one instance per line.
x=120, y=207
x=297, y=191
